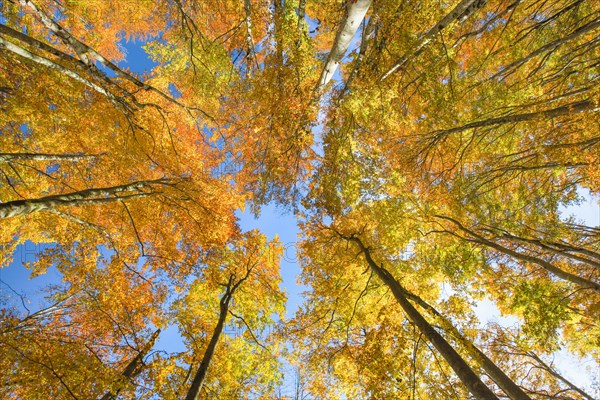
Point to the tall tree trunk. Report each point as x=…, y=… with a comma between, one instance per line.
x=558, y=376
x=301, y=14
x=494, y=372
x=355, y=14
x=558, y=248
x=567, y=109
x=7, y=157
x=52, y=65
x=232, y=286
x=567, y=276
x=80, y=198
x=462, y=10
x=251, y=56
x=549, y=47
x=87, y=54
x=194, y=390
x=133, y=368
x=456, y=362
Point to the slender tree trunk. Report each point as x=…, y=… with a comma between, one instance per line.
x=367, y=35
x=558, y=248
x=81, y=49
x=456, y=362
x=301, y=14
x=251, y=56
x=558, y=376
x=86, y=53
x=133, y=368
x=6, y=157
x=586, y=283
x=571, y=108
x=355, y=13
x=462, y=10
x=582, y=30
x=52, y=65
x=232, y=286
x=194, y=390
x=502, y=380
x=79, y=198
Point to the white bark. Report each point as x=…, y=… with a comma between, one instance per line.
x=462, y=10
x=86, y=53
x=7, y=157
x=354, y=16
x=51, y=64
x=80, y=198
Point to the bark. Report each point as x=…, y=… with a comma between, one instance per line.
x=249, y=39
x=72, y=66
x=567, y=109
x=196, y=385
x=493, y=371
x=582, y=30
x=368, y=33
x=52, y=65
x=7, y=157
x=210, y=350
x=82, y=197
x=134, y=367
x=558, y=376
x=301, y=15
x=85, y=53
x=585, y=283
x=355, y=13
x=462, y=10
x=194, y=390
x=558, y=248
x=29, y=321
x=456, y=362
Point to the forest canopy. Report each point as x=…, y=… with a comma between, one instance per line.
x=427, y=151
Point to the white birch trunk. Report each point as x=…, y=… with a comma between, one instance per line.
x=354, y=16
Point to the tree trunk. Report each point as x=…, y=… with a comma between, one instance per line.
x=558, y=248
x=52, y=65
x=558, y=376
x=456, y=362
x=7, y=157
x=582, y=30
x=354, y=15
x=251, y=56
x=494, y=372
x=133, y=368
x=194, y=390
x=567, y=109
x=463, y=9
x=567, y=276
x=82, y=197
x=86, y=53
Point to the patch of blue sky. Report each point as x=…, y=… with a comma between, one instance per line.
x=274, y=222
x=25, y=130
x=173, y=91
x=585, y=210
x=52, y=168
x=136, y=57
x=17, y=282
x=137, y=60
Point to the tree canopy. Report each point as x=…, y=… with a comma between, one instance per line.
x=427, y=149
